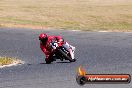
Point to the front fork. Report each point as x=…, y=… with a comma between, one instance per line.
x=71, y=54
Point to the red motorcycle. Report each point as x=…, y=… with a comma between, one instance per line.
x=61, y=52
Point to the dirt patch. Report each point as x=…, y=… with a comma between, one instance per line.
x=8, y=62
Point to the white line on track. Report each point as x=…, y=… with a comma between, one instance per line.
x=127, y=32
x=75, y=30
x=103, y=31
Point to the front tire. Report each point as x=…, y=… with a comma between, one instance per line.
x=66, y=57
x=73, y=60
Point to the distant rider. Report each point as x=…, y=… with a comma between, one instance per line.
x=45, y=41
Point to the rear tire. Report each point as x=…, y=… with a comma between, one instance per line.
x=48, y=62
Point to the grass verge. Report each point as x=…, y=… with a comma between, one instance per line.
x=93, y=15
x=4, y=61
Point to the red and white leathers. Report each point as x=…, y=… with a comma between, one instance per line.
x=47, y=49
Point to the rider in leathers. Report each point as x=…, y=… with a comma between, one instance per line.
x=45, y=41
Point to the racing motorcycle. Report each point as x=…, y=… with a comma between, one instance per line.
x=62, y=52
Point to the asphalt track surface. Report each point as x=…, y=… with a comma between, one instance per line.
x=97, y=52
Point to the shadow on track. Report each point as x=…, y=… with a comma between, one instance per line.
x=29, y=64
x=63, y=62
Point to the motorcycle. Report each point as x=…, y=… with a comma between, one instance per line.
x=61, y=52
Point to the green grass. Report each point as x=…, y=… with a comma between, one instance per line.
x=93, y=15
x=6, y=60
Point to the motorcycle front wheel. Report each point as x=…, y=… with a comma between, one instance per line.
x=66, y=56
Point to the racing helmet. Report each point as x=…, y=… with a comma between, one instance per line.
x=43, y=37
